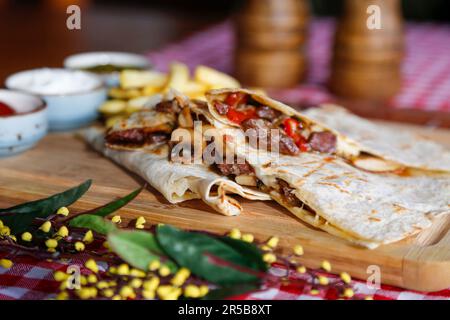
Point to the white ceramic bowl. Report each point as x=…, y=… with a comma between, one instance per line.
x=24, y=129
x=69, y=109
x=88, y=60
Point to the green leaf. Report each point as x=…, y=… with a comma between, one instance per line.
x=249, y=250
x=231, y=291
x=95, y=223
x=138, y=248
x=210, y=258
x=19, y=218
x=113, y=206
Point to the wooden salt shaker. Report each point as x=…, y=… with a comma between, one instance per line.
x=366, y=62
x=271, y=35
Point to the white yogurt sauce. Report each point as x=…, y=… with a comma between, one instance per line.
x=49, y=81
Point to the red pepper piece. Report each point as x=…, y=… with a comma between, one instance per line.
x=233, y=99
x=240, y=116
x=292, y=127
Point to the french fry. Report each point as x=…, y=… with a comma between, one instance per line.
x=194, y=87
x=136, y=104
x=119, y=93
x=214, y=79
x=178, y=77
x=151, y=90
x=111, y=121
x=138, y=79
x=113, y=107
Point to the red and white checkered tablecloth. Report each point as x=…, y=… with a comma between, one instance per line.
x=426, y=71
x=426, y=67
x=32, y=279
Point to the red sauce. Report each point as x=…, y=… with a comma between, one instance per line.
x=6, y=110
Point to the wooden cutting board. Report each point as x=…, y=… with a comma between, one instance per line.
x=61, y=161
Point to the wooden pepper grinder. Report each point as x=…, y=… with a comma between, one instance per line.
x=367, y=55
x=271, y=35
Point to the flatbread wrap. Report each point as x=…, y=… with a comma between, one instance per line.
x=176, y=182
x=365, y=208
x=328, y=130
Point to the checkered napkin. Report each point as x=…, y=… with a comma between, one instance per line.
x=426, y=68
x=32, y=279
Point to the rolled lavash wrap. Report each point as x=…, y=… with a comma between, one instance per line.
x=364, y=208
x=404, y=147
x=333, y=130
x=176, y=182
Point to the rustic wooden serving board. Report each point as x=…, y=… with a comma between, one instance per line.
x=61, y=161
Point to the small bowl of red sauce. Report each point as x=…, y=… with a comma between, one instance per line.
x=23, y=122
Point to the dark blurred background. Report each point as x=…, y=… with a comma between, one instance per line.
x=33, y=33
x=419, y=10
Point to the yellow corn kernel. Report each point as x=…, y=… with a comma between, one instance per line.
x=46, y=226
x=116, y=219
x=154, y=265
x=112, y=270
x=180, y=277
x=266, y=248
x=191, y=291
x=235, y=233
x=60, y=276
x=123, y=270
x=84, y=293
x=63, y=232
x=248, y=237
x=148, y=294
x=301, y=269
x=51, y=243
x=63, y=295
x=136, y=283
x=326, y=265
x=164, y=271
x=345, y=277
x=79, y=246
x=298, y=250
x=140, y=222
x=102, y=285
x=6, y=263
x=92, y=278
x=26, y=236
x=108, y=293
x=348, y=293
x=167, y=292
x=5, y=231
x=127, y=292
x=63, y=211
x=269, y=258
x=91, y=265
x=204, y=289
x=323, y=280
x=137, y=273
x=116, y=297
x=273, y=242
x=314, y=292
x=88, y=237
x=151, y=284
